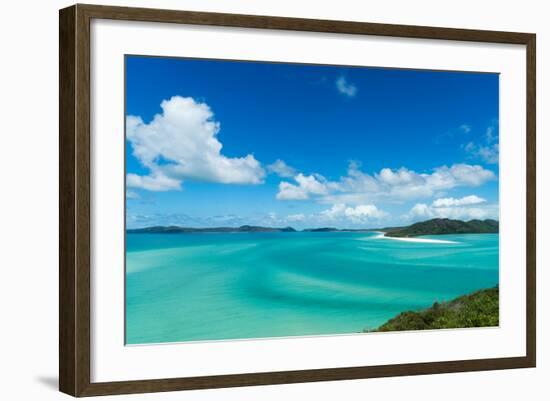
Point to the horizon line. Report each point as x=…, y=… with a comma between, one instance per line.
x=302, y=229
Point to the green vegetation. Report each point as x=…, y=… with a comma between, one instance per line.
x=478, y=309
x=321, y=230
x=429, y=227
x=444, y=226
x=179, y=230
x=241, y=229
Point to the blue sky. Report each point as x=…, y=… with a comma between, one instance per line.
x=213, y=143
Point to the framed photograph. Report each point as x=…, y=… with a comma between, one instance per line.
x=250, y=200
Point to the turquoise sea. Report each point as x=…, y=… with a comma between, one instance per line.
x=214, y=286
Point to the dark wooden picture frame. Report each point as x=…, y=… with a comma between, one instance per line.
x=74, y=200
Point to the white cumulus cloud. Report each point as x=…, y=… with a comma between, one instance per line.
x=336, y=211
x=362, y=213
x=304, y=187
x=467, y=200
x=288, y=191
x=466, y=208
x=420, y=210
x=402, y=184
x=181, y=144
x=357, y=214
x=399, y=177
x=156, y=181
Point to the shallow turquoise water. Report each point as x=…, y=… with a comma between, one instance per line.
x=182, y=287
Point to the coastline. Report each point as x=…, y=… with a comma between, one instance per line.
x=437, y=226
x=476, y=309
x=420, y=240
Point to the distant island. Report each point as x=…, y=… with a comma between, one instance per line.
x=443, y=226
x=241, y=229
x=333, y=229
x=478, y=309
x=179, y=230
x=430, y=227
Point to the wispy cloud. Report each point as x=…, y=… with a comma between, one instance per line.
x=488, y=153
x=465, y=128
x=282, y=169
x=487, y=150
x=296, y=217
x=132, y=194
x=346, y=88
x=461, y=131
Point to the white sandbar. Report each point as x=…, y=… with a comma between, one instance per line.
x=424, y=240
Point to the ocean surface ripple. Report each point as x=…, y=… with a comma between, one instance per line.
x=188, y=287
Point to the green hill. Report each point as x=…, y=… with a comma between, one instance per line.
x=478, y=309
x=179, y=230
x=444, y=226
